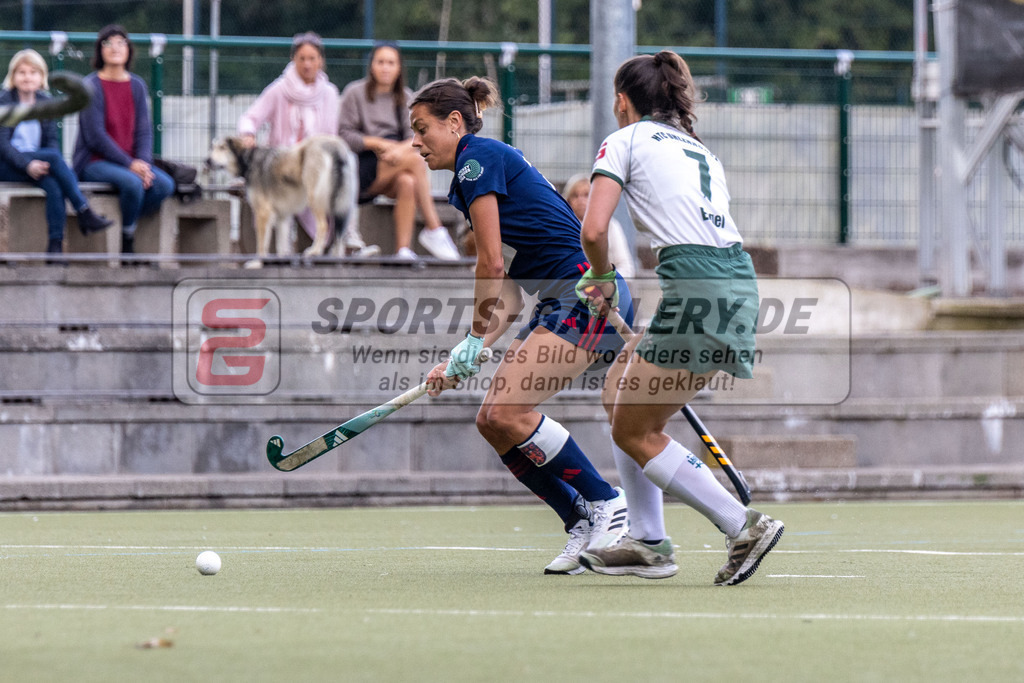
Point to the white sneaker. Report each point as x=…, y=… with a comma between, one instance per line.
x=609, y=521
x=748, y=548
x=569, y=561
x=406, y=254
x=439, y=243
x=631, y=556
x=366, y=251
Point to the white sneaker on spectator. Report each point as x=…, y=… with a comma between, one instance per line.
x=366, y=251
x=439, y=243
x=406, y=254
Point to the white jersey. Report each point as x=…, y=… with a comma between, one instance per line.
x=675, y=187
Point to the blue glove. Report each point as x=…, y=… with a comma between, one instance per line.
x=463, y=363
x=605, y=285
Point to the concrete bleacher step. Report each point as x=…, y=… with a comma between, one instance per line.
x=789, y=450
x=86, y=389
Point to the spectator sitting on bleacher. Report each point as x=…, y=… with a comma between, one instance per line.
x=300, y=103
x=115, y=134
x=375, y=124
x=30, y=153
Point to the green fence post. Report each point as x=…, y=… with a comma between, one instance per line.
x=156, y=51
x=508, y=91
x=843, y=70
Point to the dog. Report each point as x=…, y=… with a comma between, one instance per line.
x=319, y=173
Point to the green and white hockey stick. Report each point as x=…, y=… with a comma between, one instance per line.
x=75, y=97
x=344, y=432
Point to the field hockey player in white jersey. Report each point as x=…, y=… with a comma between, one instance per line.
x=675, y=190
x=512, y=208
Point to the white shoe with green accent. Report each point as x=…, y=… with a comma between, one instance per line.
x=629, y=556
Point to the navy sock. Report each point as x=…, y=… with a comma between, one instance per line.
x=545, y=485
x=572, y=466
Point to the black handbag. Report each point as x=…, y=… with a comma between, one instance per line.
x=184, y=176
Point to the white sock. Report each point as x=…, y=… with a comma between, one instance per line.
x=645, y=514
x=679, y=472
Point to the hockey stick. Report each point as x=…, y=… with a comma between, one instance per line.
x=739, y=482
x=75, y=98
x=342, y=433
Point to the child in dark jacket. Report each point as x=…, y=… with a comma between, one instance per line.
x=29, y=152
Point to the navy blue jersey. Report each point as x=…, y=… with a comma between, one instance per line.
x=535, y=220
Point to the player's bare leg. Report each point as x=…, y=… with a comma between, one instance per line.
x=638, y=427
x=537, y=449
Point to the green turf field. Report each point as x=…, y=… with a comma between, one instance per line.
x=858, y=591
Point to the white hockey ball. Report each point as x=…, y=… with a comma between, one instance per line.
x=208, y=563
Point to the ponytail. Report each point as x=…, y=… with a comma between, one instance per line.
x=470, y=98
x=660, y=86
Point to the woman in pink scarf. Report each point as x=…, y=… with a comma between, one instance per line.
x=301, y=103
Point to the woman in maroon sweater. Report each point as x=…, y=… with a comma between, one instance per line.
x=115, y=134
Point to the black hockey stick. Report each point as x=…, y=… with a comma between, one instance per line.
x=739, y=482
x=342, y=433
x=75, y=97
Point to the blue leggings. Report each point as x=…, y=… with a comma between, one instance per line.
x=135, y=200
x=59, y=184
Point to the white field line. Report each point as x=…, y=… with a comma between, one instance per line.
x=966, y=618
x=282, y=548
x=169, y=608
x=256, y=548
x=766, y=616
x=933, y=552
x=817, y=576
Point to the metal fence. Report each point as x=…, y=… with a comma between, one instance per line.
x=813, y=154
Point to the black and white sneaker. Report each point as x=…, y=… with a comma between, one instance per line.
x=748, y=548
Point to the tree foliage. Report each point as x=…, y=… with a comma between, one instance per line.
x=848, y=24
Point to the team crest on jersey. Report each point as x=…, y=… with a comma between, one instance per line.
x=600, y=152
x=471, y=171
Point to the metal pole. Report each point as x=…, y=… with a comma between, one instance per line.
x=214, y=67
x=843, y=70
x=508, y=91
x=721, y=36
x=996, y=219
x=157, y=76
x=955, y=271
x=612, y=41
x=188, y=8
x=369, y=12
x=26, y=15
x=544, y=60
x=925, y=94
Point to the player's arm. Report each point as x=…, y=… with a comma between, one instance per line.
x=509, y=306
x=487, y=287
x=604, y=197
x=597, y=286
x=490, y=265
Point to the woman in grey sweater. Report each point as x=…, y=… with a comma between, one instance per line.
x=375, y=123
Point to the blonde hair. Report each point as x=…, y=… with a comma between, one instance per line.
x=572, y=182
x=34, y=59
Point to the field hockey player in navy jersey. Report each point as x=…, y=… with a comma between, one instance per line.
x=527, y=239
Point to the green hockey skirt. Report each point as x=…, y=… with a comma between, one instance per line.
x=707, y=314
